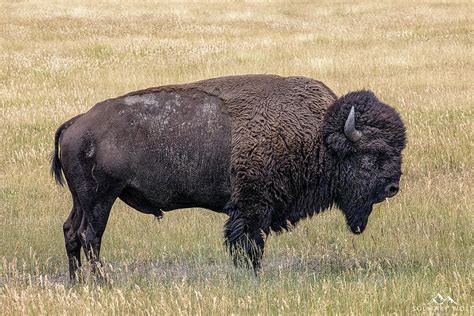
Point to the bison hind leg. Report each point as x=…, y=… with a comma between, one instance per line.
x=96, y=213
x=72, y=239
x=96, y=197
x=245, y=238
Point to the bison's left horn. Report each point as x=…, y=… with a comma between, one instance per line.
x=349, y=127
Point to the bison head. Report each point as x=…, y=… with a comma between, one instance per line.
x=365, y=139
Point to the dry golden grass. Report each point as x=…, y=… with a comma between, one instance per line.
x=58, y=59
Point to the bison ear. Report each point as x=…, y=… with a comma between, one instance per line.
x=338, y=143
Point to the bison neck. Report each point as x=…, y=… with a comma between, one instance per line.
x=317, y=193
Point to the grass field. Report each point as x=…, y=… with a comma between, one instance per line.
x=57, y=59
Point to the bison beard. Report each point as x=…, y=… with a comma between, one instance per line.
x=266, y=150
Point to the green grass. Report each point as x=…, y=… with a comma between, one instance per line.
x=57, y=59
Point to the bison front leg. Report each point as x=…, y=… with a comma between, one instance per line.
x=245, y=238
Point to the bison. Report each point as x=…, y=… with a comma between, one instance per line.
x=265, y=150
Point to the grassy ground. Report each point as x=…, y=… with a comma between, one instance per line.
x=57, y=60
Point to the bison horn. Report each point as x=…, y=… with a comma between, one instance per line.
x=349, y=128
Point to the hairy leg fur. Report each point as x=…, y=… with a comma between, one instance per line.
x=245, y=238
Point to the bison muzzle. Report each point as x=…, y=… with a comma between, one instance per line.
x=266, y=150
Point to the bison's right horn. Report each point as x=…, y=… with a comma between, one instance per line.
x=349, y=128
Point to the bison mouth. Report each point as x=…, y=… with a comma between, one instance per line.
x=357, y=221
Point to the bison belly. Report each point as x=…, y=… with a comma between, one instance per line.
x=172, y=149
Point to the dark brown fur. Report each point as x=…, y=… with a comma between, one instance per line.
x=266, y=150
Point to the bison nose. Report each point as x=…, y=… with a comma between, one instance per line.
x=391, y=189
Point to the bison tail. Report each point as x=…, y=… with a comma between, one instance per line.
x=56, y=166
